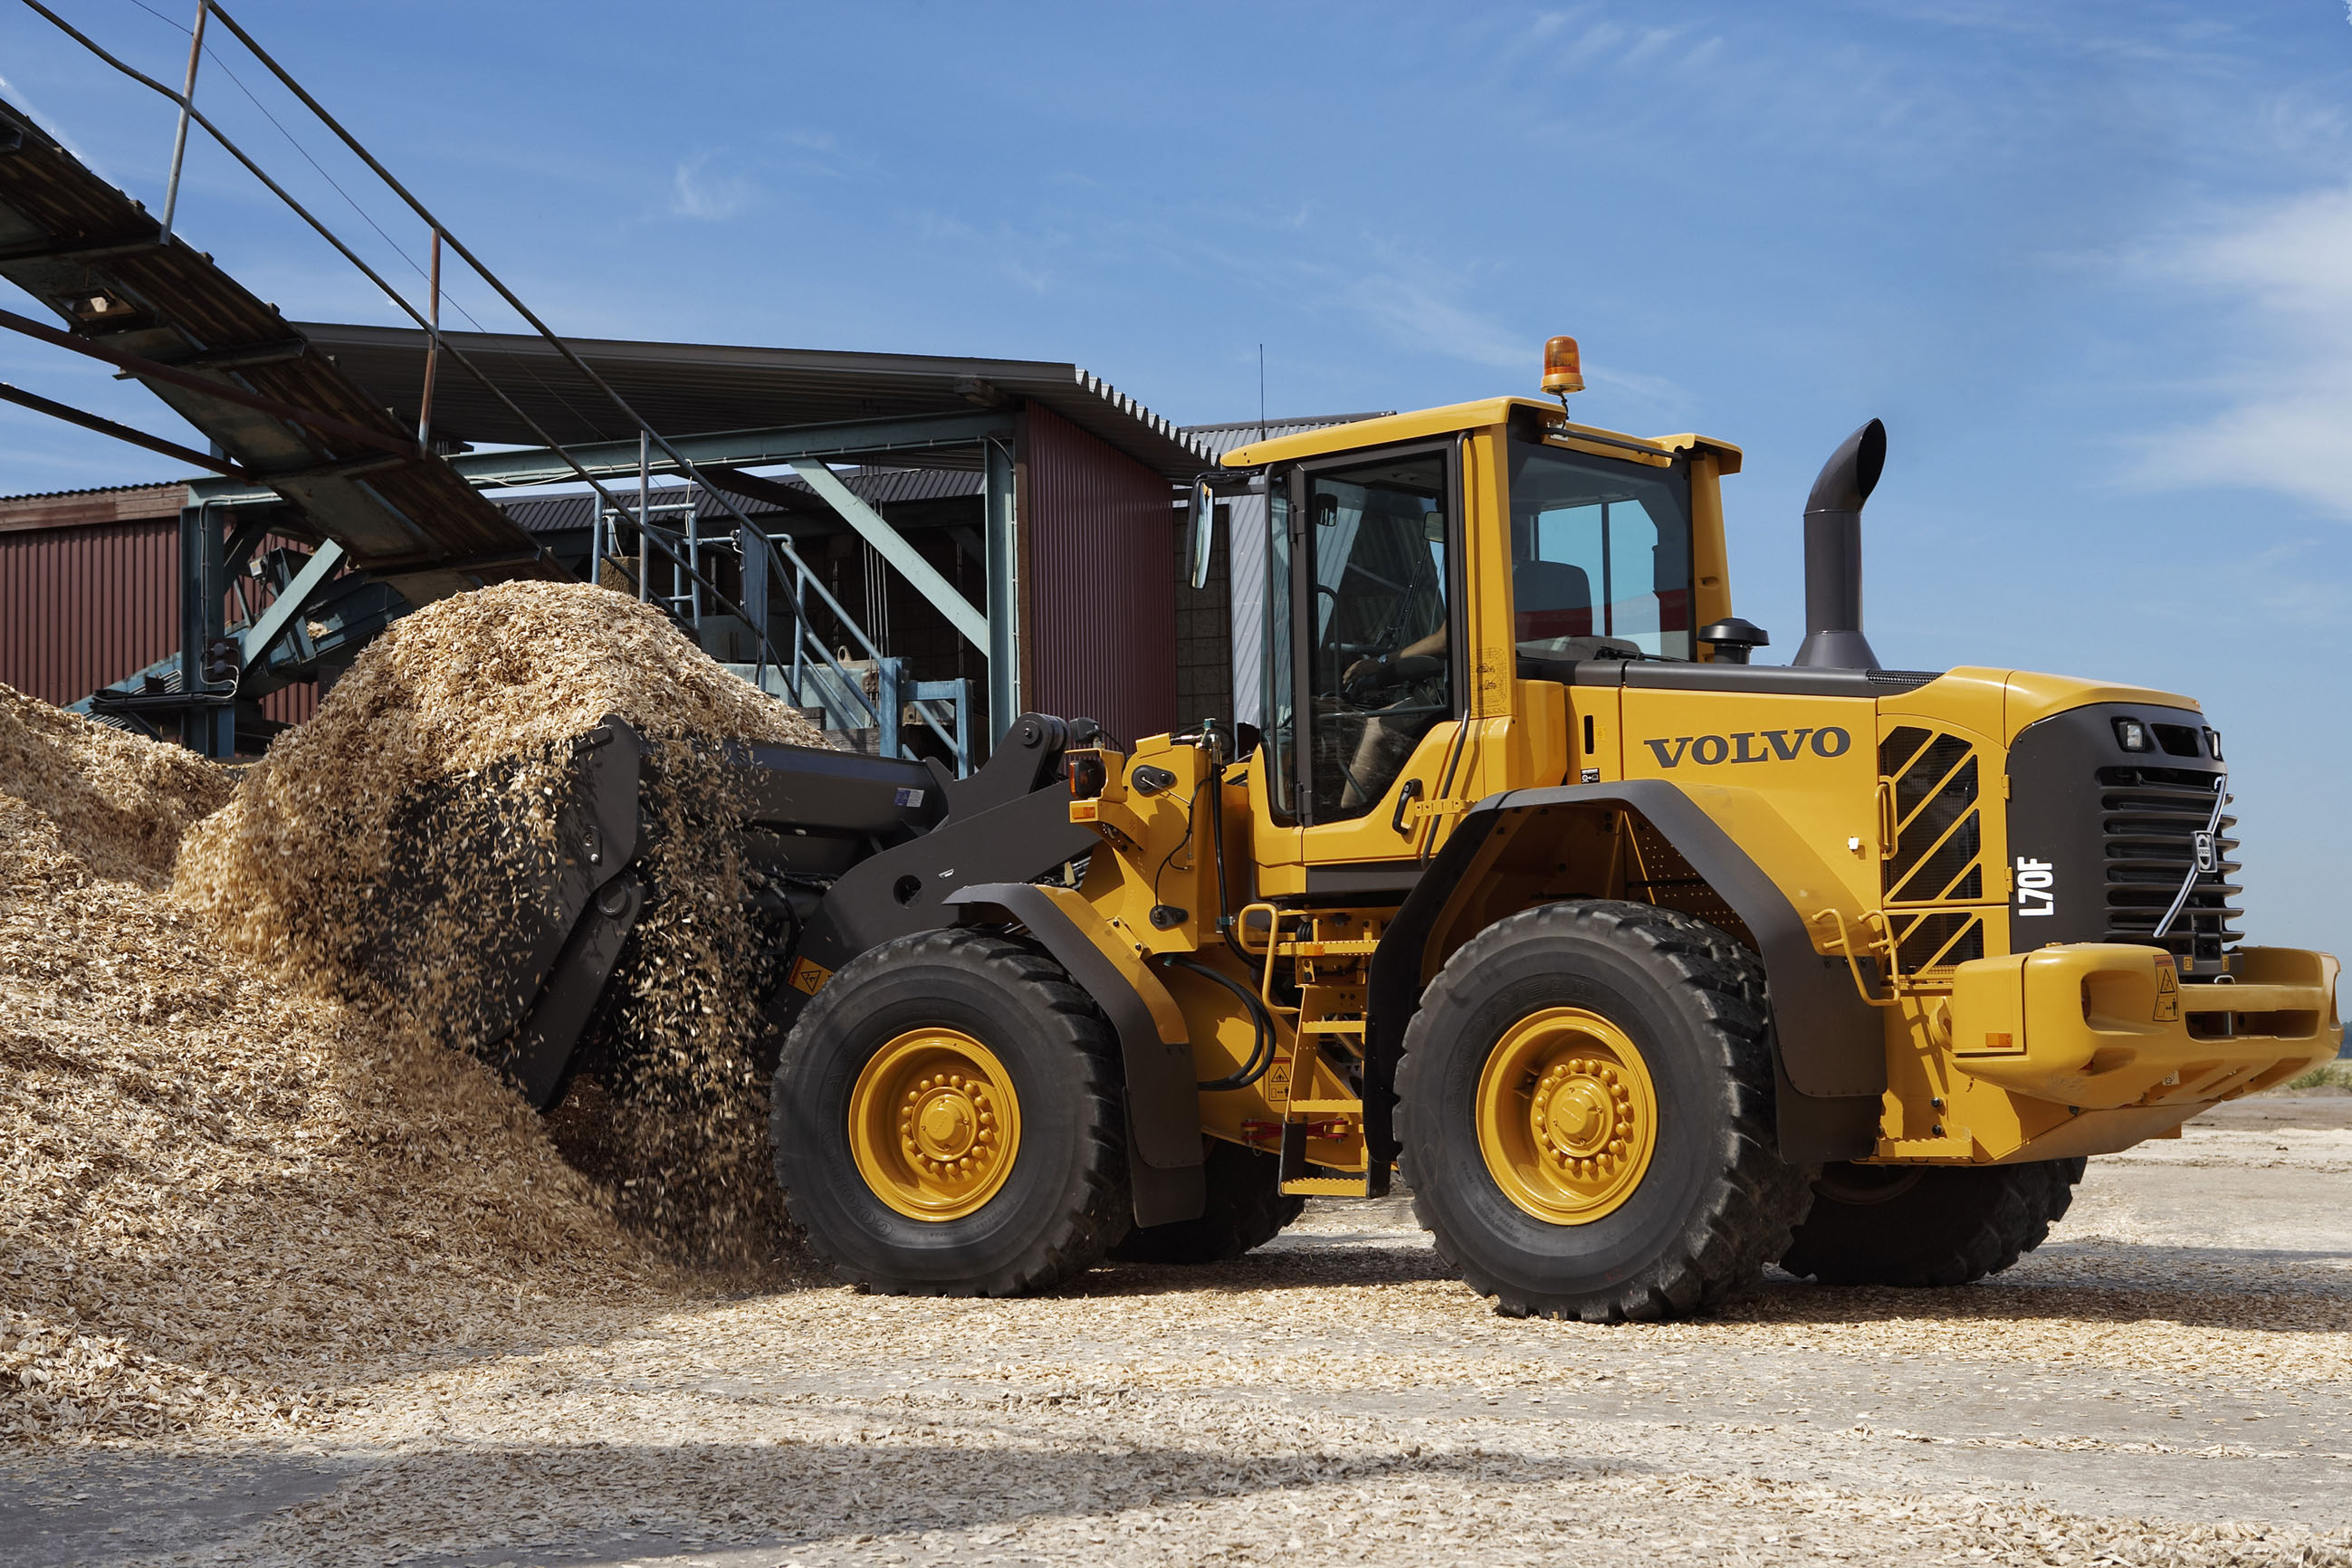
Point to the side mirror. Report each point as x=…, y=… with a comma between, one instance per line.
x=1204, y=537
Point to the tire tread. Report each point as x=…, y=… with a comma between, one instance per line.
x=1098, y=1215
x=1758, y=1201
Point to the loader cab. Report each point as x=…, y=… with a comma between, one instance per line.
x=1414, y=582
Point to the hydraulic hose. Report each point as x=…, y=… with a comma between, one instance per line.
x=1261, y=1054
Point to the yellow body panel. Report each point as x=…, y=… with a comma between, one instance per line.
x=1710, y=556
x=2105, y=1026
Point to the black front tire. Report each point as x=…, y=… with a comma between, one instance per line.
x=1065, y=1199
x=1716, y=1203
x=1927, y=1225
x=1246, y=1208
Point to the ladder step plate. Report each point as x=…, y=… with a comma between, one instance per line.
x=1329, y=1187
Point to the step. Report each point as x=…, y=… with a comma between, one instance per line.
x=1349, y=948
x=1329, y=1187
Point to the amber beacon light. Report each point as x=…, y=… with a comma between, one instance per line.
x=1563, y=367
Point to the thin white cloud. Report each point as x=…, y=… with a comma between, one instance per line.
x=2283, y=276
x=711, y=197
x=1421, y=313
x=1418, y=315
x=15, y=95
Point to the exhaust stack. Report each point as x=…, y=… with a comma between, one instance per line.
x=1834, y=636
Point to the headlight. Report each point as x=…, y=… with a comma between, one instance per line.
x=2132, y=735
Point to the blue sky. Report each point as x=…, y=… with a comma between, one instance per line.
x=2091, y=263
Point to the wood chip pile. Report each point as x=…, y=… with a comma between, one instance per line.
x=208, y=1179
x=232, y=1165
x=473, y=702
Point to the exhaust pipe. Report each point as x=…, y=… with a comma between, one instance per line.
x=1834, y=636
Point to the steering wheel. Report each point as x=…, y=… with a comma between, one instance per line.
x=1390, y=672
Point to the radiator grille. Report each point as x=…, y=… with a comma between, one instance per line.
x=2149, y=818
x=1938, y=856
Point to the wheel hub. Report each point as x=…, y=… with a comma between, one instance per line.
x=934, y=1124
x=948, y=1124
x=1567, y=1116
x=1579, y=1111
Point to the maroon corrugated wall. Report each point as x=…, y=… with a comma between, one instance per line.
x=83, y=606
x=1101, y=598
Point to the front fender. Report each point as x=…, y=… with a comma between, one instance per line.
x=1163, y=1102
x=1831, y=1044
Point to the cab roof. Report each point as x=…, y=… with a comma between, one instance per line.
x=1454, y=416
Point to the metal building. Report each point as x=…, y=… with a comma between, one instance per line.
x=1043, y=502
x=354, y=486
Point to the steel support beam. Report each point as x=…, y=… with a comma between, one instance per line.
x=734, y=448
x=294, y=603
x=999, y=544
x=892, y=546
x=740, y=448
x=208, y=731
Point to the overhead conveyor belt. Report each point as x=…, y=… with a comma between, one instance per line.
x=284, y=414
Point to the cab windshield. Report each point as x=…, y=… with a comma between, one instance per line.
x=1600, y=548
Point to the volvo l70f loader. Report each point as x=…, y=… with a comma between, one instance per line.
x=1642, y=965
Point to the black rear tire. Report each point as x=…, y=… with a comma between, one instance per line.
x=1927, y=1225
x=1246, y=1208
x=1713, y=1204
x=1064, y=1198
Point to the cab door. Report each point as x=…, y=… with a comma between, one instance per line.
x=1377, y=690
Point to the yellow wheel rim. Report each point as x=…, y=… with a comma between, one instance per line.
x=934, y=1124
x=1567, y=1116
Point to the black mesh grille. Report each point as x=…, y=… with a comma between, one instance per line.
x=2149, y=817
x=1922, y=942
x=1938, y=847
x=1938, y=837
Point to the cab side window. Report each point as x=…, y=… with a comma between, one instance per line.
x=1380, y=663
x=1599, y=549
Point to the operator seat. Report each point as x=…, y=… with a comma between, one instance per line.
x=1549, y=600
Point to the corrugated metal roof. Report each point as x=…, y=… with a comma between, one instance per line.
x=691, y=388
x=546, y=514
x=877, y=487
x=176, y=485
x=91, y=508
x=1219, y=439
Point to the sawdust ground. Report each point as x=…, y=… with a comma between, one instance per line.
x=2133, y=1393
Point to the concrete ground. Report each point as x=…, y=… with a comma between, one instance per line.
x=2167, y=1379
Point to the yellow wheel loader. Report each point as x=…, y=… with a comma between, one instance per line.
x=1642, y=964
